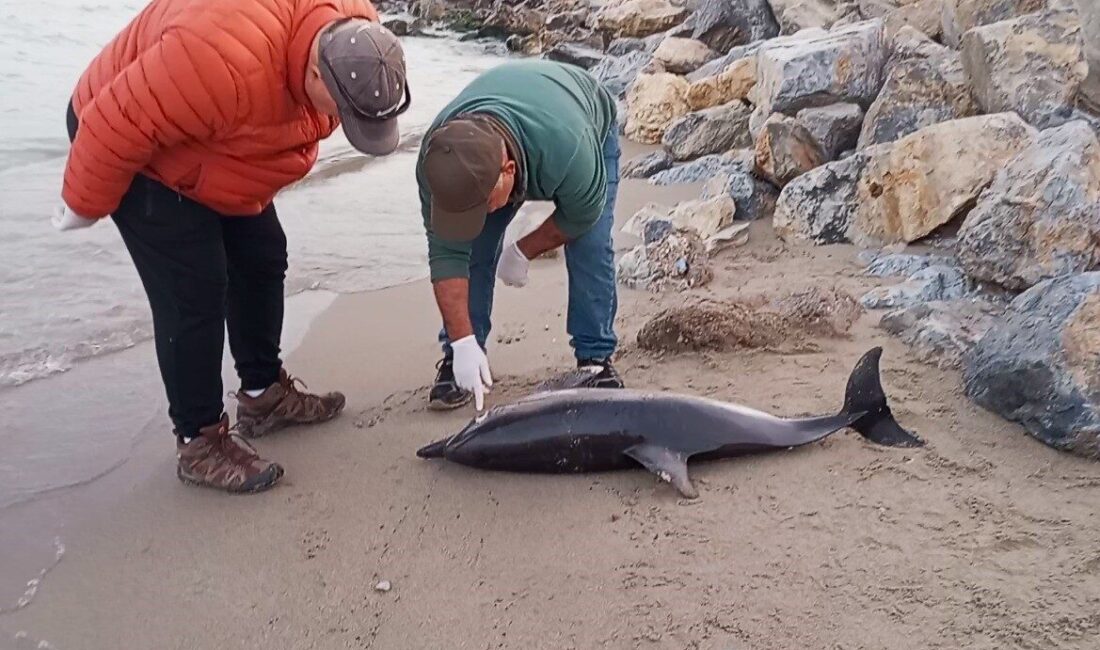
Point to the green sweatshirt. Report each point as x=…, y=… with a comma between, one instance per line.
x=559, y=116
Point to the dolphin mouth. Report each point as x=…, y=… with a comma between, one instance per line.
x=434, y=450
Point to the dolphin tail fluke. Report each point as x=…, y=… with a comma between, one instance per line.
x=864, y=394
x=434, y=450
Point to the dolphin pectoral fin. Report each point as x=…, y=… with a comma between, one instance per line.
x=668, y=465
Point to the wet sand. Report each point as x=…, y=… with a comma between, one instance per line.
x=983, y=539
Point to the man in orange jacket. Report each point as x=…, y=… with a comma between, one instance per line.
x=183, y=130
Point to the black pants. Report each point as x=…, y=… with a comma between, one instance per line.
x=202, y=272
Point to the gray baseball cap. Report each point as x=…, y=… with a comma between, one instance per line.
x=363, y=67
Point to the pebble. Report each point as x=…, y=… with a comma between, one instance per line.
x=383, y=586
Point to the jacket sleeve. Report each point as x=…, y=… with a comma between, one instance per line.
x=180, y=89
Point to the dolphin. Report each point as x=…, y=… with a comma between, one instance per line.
x=595, y=429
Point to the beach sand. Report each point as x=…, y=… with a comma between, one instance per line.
x=983, y=539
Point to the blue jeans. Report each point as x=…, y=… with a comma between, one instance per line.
x=589, y=260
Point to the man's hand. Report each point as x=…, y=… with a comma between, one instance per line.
x=65, y=219
x=471, y=368
x=512, y=266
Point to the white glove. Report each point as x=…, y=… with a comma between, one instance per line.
x=471, y=368
x=65, y=219
x=513, y=265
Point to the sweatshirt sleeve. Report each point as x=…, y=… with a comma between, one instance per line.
x=177, y=90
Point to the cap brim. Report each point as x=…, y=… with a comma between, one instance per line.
x=462, y=226
x=371, y=137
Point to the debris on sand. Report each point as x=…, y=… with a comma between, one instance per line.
x=784, y=324
x=679, y=261
x=383, y=586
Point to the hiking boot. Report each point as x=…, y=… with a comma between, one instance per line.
x=283, y=405
x=445, y=394
x=224, y=461
x=606, y=377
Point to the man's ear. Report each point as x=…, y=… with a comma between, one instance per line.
x=510, y=167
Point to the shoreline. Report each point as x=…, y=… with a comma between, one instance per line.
x=840, y=544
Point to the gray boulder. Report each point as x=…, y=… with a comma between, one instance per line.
x=618, y=73
x=638, y=18
x=922, y=15
x=1040, y=218
x=1033, y=65
x=785, y=150
x=575, y=54
x=941, y=333
x=754, y=197
x=908, y=42
x=647, y=165
x=960, y=16
x=820, y=205
x=818, y=68
x=918, y=92
x=1038, y=366
x=712, y=130
x=724, y=24
x=704, y=169
x=835, y=128
x=938, y=282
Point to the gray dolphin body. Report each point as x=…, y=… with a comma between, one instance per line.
x=596, y=429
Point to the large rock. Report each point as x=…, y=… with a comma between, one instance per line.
x=1041, y=216
x=785, y=150
x=1089, y=12
x=794, y=15
x=941, y=333
x=922, y=15
x=712, y=130
x=918, y=92
x=639, y=17
x=682, y=55
x=732, y=84
x=820, y=205
x=960, y=16
x=1040, y=366
x=816, y=68
x=705, y=168
x=908, y=43
x=755, y=198
x=938, y=282
x=725, y=61
x=705, y=216
x=647, y=165
x=575, y=54
x=921, y=182
x=653, y=103
x=723, y=24
x=1033, y=65
x=835, y=128
x=617, y=73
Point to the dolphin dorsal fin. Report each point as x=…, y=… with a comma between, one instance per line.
x=668, y=465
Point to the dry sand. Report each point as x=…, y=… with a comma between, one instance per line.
x=983, y=539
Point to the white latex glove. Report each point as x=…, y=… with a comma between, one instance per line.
x=471, y=368
x=66, y=219
x=513, y=265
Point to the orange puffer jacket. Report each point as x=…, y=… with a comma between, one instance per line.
x=205, y=96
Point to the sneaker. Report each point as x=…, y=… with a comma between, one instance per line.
x=283, y=405
x=221, y=460
x=445, y=394
x=606, y=378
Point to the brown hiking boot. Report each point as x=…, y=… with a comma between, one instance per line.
x=283, y=405
x=222, y=460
